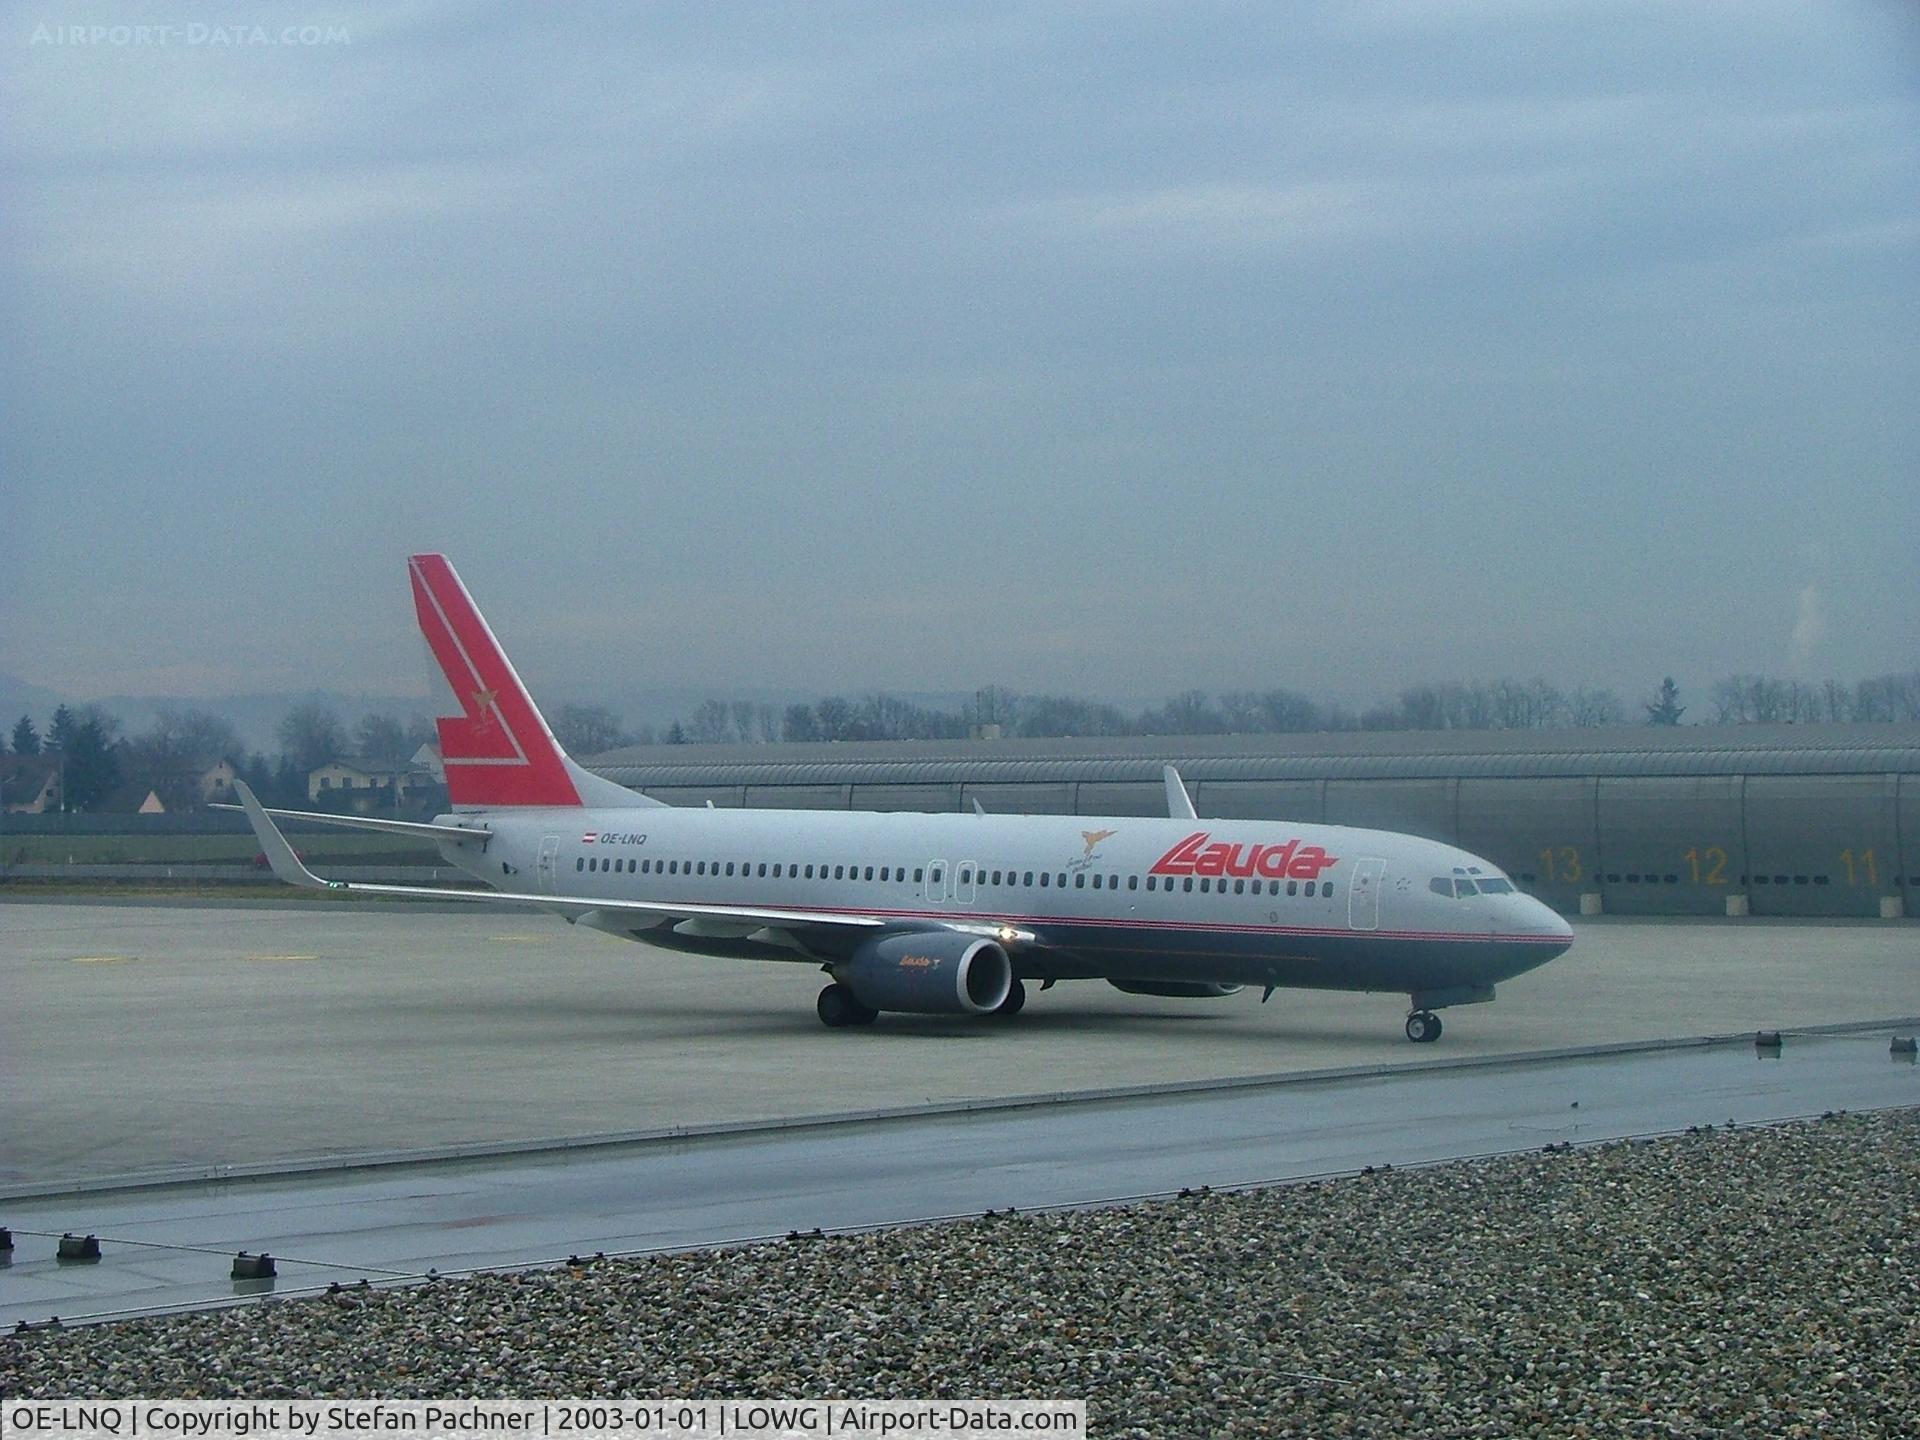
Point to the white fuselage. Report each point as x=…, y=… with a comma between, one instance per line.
x=1119, y=897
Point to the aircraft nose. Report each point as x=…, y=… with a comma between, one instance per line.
x=1549, y=922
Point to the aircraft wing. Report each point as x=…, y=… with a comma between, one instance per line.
x=290, y=868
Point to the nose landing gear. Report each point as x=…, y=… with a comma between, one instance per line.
x=1423, y=1027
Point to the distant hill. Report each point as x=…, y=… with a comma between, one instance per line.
x=22, y=697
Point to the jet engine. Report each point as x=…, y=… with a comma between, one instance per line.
x=1179, y=989
x=929, y=972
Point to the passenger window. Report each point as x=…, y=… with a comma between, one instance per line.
x=1080, y=881
x=870, y=873
x=996, y=877
x=934, y=877
x=1205, y=886
x=1187, y=885
x=1326, y=887
x=809, y=874
x=1028, y=879
x=917, y=875
x=1063, y=879
x=1239, y=887
x=1044, y=878
x=580, y=862
x=1273, y=887
x=1293, y=887
x=1096, y=882
x=1133, y=882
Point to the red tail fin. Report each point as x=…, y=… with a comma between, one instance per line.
x=499, y=751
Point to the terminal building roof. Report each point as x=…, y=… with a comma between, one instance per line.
x=1646, y=750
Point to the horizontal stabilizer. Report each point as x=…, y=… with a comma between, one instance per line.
x=419, y=829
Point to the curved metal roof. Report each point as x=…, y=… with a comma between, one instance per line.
x=1643, y=751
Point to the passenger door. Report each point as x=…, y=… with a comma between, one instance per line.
x=549, y=849
x=1363, y=894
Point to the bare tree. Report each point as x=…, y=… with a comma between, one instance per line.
x=1190, y=712
x=588, y=729
x=836, y=718
x=799, y=724
x=1888, y=697
x=709, y=725
x=1587, y=709
x=1836, y=701
x=381, y=737
x=311, y=735
x=1050, y=716
x=746, y=718
x=1288, y=711
x=1528, y=704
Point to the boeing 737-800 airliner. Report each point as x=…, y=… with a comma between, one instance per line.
x=941, y=914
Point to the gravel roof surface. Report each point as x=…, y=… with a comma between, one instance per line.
x=1758, y=1281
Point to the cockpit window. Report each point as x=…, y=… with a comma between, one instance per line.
x=1460, y=886
x=1495, y=887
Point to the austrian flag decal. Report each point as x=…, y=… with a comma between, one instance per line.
x=588, y=838
x=1201, y=854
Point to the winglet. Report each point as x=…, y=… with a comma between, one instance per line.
x=1179, y=803
x=279, y=853
x=978, y=808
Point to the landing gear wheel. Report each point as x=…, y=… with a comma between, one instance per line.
x=839, y=1007
x=1423, y=1027
x=1016, y=1000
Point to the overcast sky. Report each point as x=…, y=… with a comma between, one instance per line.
x=1101, y=349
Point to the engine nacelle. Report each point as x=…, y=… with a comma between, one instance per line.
x=929, y=973
x=1179, y=989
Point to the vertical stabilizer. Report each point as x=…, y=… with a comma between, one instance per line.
x=498, y=750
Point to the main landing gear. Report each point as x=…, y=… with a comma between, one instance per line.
x=1423, y=1027
x=838, y=1006
x=1015, y=1001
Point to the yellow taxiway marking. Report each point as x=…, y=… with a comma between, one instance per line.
x=523, y=939
x=279, y=957
x=101, y=959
